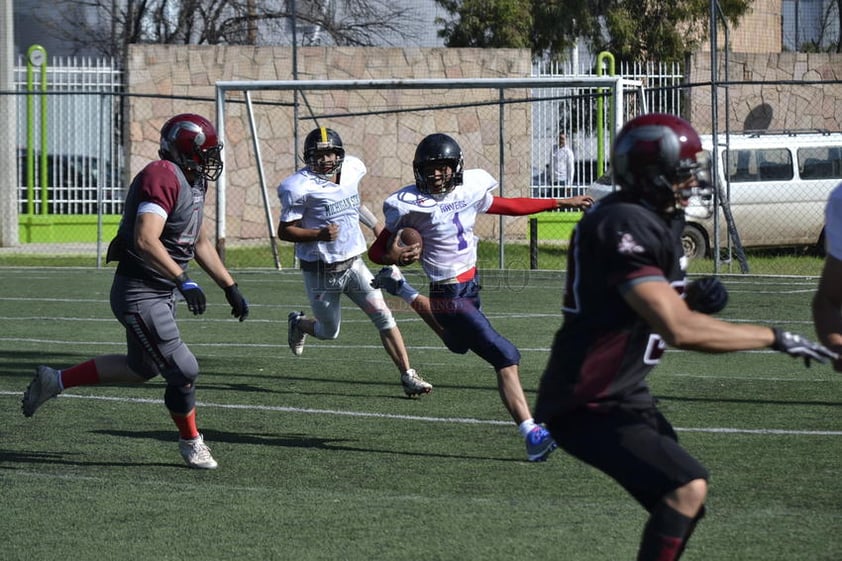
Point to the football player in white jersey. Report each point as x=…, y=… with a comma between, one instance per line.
x=321, y=213
x=443, y=205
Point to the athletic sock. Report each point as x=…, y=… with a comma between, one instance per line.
x=407, y=292
x=84, y=374
x=186, y=425
x=664, y=535
x=526, y=427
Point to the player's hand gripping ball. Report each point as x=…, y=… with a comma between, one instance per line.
x=408, y=236
x=404, y=238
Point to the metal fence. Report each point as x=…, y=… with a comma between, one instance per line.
x=69, y=146
x=72, y=165
x=576, y=113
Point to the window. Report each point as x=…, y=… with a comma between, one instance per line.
x=820, y=163
x=767, y=164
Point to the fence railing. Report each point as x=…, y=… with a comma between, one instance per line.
x=69, y=146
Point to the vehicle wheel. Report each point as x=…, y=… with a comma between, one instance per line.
x=694, y=242
x=820, y=245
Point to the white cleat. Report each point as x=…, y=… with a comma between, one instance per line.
x=413, y=384
x=295, y=336
x=196, y=453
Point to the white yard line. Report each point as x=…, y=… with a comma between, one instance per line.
x=419, y=418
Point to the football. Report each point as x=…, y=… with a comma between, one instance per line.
x=408, y=236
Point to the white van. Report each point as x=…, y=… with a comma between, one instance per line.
x=777, y=184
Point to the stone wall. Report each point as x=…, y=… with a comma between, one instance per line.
x=164, y=80
x=794, y=100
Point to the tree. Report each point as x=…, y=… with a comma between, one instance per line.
x=630, y=29
x=108, y=26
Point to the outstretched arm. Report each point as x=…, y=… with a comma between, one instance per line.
x=664, y=310
x=520, y=206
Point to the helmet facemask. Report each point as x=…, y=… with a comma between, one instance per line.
x=659, y=159
x=211, y=166
x=190, y=141
x=432, y=179
x=320, y=142
x=325, y=169
x=433, y=154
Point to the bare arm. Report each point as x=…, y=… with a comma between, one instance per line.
x=664, y=310
x=208, y=259
x=147, y=240
x=293, y=232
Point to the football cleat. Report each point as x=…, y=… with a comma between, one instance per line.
x=389, y=279
x=295, y=336
x=413, y=384
x=196, y=453
x=539, y=444
x=45, y=385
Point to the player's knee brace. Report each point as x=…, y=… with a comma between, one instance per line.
x=180, y=399
x=326, y=330
x=383, y=320
x=182, y=368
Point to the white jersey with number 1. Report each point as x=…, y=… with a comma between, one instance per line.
x=446, y=223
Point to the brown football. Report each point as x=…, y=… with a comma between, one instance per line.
x=408, y=236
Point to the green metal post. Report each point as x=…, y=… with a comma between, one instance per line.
x=36, y=56
x=600, y=110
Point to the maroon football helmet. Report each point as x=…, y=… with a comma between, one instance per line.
x=190, y=141
x=655, y=151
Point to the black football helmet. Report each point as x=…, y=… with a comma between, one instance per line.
x=190, y=141
x=437, y=148
x=321, y=140
x=655, y=151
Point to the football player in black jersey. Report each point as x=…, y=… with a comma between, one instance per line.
x=624, y=302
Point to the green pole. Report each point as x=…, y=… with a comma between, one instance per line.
x=600, y=110
x=36, y=56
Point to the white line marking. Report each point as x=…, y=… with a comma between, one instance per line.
x=463, y=420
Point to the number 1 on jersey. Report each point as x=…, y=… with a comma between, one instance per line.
x=460, y=232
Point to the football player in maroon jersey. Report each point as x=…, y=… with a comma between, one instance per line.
x=161, y=231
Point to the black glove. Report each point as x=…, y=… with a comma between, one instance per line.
x=706, y=295
x=192, y=292
x=239, y=305
x=797, y=346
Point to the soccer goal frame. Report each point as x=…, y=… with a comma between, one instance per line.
x=614, y=89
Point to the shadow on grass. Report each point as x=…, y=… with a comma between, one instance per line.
x=13, y=458
x=290, y=441
x=22, y=364
x=744, y=401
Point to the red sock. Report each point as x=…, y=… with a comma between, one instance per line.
x=186, y=425
x=84, y=374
